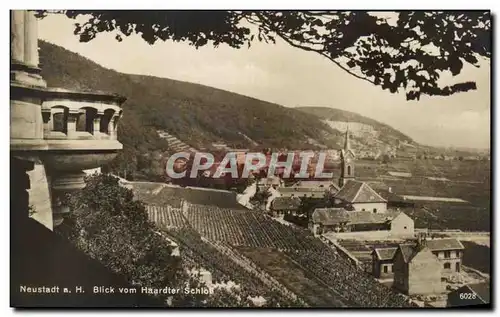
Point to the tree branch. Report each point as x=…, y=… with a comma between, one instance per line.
x=322, y=53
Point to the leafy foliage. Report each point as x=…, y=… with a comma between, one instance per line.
x=112, y=227
x=405, y=51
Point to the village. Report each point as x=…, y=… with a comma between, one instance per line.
x=351, y=216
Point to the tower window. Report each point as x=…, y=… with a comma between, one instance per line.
x=348, y=170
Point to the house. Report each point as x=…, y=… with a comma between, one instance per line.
x=324, y=220
x=470, y=295
x=285, y=205
x=449, y=252
x=326, y=184
x=382, y=262
x=341, y=220
x=417, y=271
x=303, y=192
x=397, y=223
x=359, y=196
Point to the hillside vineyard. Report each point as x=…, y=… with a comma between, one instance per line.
x=233, y=230
x=131, y=190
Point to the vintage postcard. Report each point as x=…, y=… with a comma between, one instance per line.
x=278, y=159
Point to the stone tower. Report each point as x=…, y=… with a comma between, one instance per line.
x=347, y=161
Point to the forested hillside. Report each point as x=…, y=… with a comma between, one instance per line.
x=197, y=115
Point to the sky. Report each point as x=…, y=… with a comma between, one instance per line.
x=292, y=77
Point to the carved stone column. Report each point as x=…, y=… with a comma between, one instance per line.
x=30, y=39
x=26, y=124
x=24, y=49
x=17, y=36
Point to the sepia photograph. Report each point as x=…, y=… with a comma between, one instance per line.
x=250, y=159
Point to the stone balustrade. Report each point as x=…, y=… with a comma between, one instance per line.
x=80, y=130
x=70, y=115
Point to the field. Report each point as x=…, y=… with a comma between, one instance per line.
x=293, y=276
x=291, y=256
x=468, y=180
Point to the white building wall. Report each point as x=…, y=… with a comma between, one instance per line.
x=402, y=225
x=39, y=196
x=380, y=207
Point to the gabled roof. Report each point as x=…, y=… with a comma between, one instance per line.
x=330, y=216
x=385, y=253
x=358, y=192
x=316, y=183
x=482, y=290
x=302, y=189
x=444, y=244
x=286, y=203
x=367, y=217
x=408, y=251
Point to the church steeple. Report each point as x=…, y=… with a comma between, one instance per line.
x=347, y=160
x=347, y=142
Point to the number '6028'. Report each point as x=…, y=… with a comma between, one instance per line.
x=467, y=296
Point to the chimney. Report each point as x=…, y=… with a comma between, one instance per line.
x=421, y=240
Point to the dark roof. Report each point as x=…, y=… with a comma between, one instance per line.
x=286, y=203
x=482, y=290
x=408, y=251
x=366, y=217
x=385, y=253
x=444, y=244
x=330, y=216
x=302, y=189
x=358, y=192
x=361, y=217
x=316, y=183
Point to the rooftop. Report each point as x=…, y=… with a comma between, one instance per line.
x=408, y=251
x=482, y=290
x=301, y=189
x=327, y=183
x=359, y=192
x=286, y=203
x=444, y=244
x=330, y=216
x=385, y=253
x=366, y=217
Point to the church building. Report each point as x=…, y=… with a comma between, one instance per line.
x=355, y=195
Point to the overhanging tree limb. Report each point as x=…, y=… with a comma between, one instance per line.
x=377, y=46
